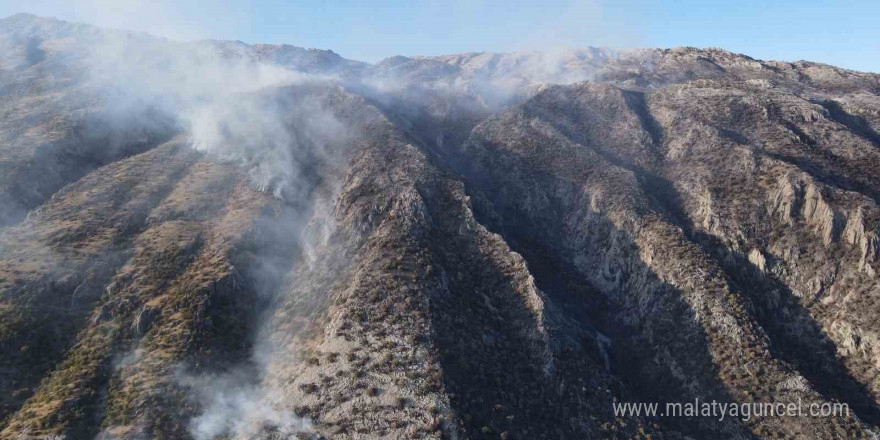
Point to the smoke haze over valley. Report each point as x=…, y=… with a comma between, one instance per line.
x=213, y=240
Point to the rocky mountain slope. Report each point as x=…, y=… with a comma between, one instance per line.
x=217, y=240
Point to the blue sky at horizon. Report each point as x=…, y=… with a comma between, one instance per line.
x=842, y=33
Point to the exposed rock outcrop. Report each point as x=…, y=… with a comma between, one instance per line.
x=471, y=246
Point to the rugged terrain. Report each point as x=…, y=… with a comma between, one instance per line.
x=473, y=246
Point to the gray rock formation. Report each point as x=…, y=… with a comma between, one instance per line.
x=472, y=246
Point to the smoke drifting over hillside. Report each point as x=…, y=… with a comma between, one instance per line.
x=255, y=242
x=255, y=115
x=261, y=118
x=227, y=104
x=234, y=407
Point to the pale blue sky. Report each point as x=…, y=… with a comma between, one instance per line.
x=844, y=33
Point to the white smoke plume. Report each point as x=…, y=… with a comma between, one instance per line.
x=224, y=100
x=245, y=111
x=236, y=107
x=235, y=408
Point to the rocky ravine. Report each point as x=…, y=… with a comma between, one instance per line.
x=476, y=246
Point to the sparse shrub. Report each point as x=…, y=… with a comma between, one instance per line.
x=401, y=402
x=308, y=388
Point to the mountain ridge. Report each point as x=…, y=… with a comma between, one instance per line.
x=474, y=246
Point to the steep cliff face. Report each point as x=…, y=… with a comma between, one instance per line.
x=474, y=246
x=669, y=241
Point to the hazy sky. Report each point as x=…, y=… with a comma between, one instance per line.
x=844, y=33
